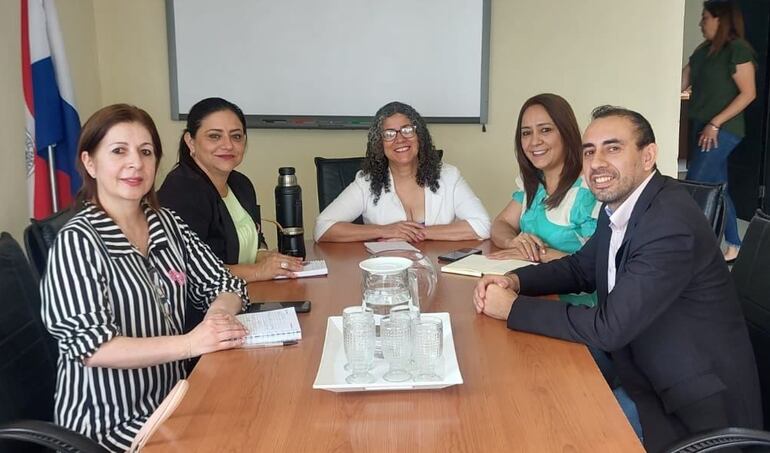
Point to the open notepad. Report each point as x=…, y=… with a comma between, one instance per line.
x=478, y=265
x=270, y=327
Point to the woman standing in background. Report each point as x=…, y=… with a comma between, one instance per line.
x=721, y=75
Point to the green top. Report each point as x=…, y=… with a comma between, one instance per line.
x=713, y=87
x=245, y=228
x=566, y=227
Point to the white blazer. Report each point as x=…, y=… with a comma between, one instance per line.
x=454, y=200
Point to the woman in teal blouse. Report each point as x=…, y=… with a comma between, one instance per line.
x=554, y=213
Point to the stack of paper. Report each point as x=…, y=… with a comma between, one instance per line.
x=270, y=326
x=478, y=265
x=384, y=246
x=310, y=269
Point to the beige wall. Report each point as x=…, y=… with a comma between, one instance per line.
x=692, y=35
x=13, y=205
x=77, y=20
x=589, y=52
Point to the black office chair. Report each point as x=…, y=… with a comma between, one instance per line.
x=724, y=438
x=711, y=199
x=332, y=176
x=40, y=234
x=27, y=436
x=28, y=365
x=750, y=274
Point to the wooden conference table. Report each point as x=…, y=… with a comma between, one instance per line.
x=522, y=392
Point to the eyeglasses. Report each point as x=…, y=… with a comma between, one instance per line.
x=161, y=298
x=407, y=131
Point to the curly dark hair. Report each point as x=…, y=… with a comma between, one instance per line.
x=375, y=165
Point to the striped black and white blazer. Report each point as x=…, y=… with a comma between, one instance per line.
x=97, y=286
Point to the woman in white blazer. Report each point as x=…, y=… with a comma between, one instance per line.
x=404, y=191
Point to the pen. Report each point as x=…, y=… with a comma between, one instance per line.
x=271, y=345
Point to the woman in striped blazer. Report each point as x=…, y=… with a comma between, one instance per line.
x=116, y=283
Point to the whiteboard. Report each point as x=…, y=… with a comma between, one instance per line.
x=305, y=63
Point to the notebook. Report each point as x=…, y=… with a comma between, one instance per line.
x=478, y=265
x=384, y=246
x=270, y=327
x=312, y=268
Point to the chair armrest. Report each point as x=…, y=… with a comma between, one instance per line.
x=49, y=435
x=720, y=438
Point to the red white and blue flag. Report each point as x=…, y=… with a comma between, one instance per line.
x=50, y=109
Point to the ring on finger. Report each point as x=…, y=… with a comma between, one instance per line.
x=284, y=264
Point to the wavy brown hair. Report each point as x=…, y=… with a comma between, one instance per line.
x=375, y=165
x=93, y=132
x=564, y=118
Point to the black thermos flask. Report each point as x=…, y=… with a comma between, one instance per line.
x=288, y=213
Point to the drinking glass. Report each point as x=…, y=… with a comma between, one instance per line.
x=396, y=332
x=358, y=335
x=428, y=347
x=346, y=312
x=414, y=315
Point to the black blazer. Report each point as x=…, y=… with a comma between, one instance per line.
x=189, y=192
x=672, y=323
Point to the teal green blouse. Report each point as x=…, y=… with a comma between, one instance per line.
x=565, y=228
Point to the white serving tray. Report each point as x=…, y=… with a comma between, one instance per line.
x=331, y=373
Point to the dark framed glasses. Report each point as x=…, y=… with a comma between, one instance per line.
x=407, y=131
x=161, y=297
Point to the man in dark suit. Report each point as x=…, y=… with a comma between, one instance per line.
x=667, y=312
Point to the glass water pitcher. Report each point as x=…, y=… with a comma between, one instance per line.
x=397, y=278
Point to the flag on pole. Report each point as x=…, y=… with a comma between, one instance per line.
x=52, y=120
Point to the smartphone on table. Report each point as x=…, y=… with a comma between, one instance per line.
x=458, y=254
x=300, y=306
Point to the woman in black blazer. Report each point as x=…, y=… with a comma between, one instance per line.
x=216, y=201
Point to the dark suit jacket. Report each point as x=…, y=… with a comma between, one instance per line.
x=191, y=194
x=672, y=323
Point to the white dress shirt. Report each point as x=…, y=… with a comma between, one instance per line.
x=454, y=200
x=618, y=224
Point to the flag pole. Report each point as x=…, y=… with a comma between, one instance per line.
x=52, y=179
